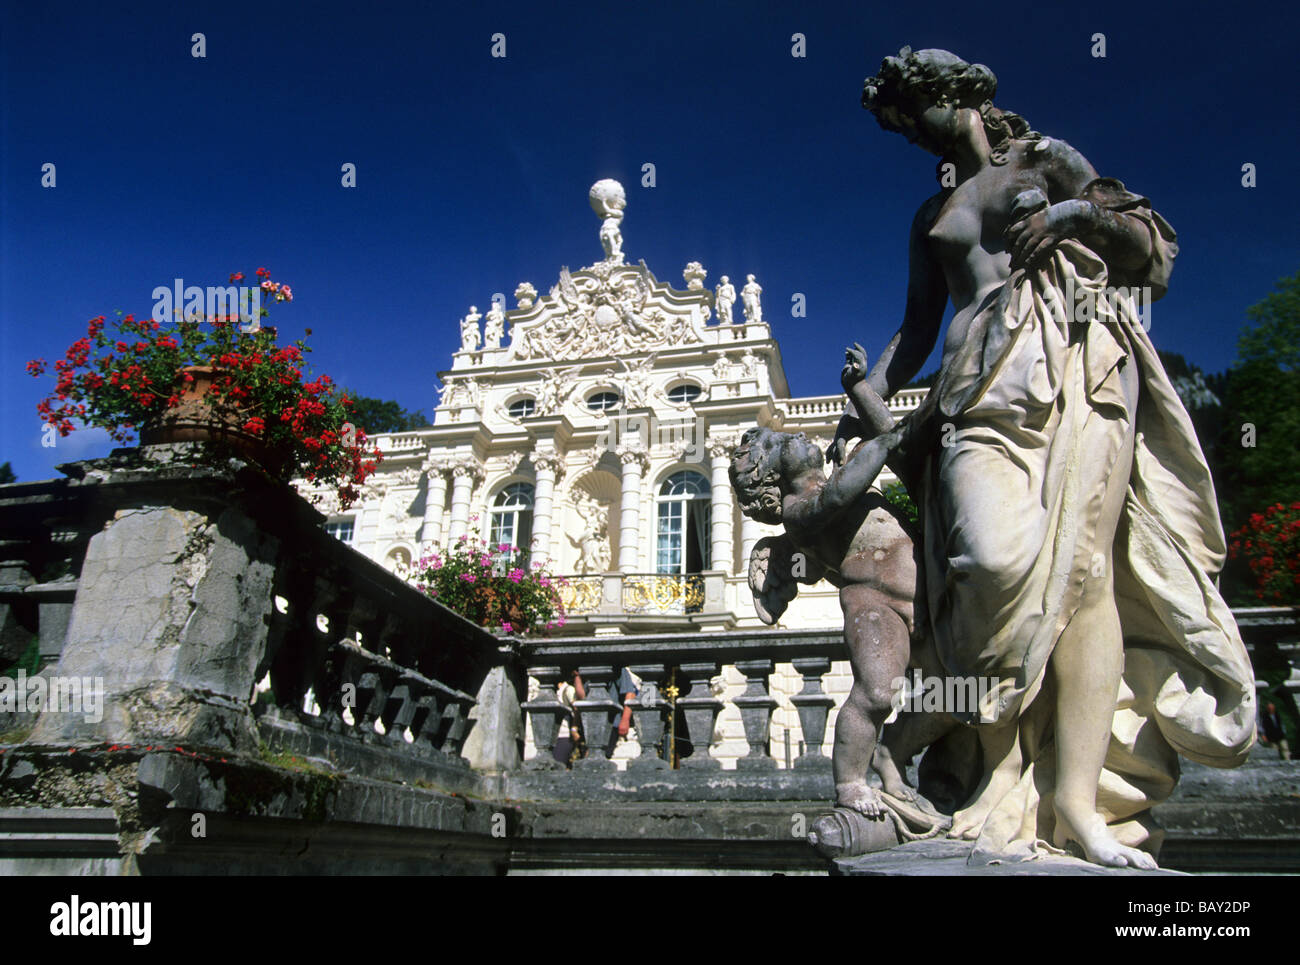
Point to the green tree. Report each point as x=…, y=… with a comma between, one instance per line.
x=7, y=474
x=384, y=415
x=1258, y=454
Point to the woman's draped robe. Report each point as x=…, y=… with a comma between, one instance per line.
x=1024, y=423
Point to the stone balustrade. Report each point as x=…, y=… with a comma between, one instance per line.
x=828, y=408
x=679, y=706
x=216, y=614
x=396, y=443
x=825, y=407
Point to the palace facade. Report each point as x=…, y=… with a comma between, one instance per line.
x=594, y=425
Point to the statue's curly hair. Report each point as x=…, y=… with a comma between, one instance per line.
x=755, y=473
x=914, y=80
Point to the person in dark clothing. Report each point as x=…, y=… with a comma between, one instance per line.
x=1274, y=732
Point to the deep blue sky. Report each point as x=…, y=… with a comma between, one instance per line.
x=473, y=171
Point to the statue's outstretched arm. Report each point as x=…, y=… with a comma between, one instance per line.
x=846, y=484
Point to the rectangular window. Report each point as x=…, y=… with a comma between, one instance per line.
x=668, y=545
x=340, y=529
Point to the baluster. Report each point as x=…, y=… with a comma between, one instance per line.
x=596, y=712
x=814, y=705
x=427, y=719
x=303, y=648
x=371, y=697
x=701, y=710
x=544, y=713
x=399, y=709
x=756, y=706
x=441, y=728
x=462, y=704
x=342, y=669
x=649, y=710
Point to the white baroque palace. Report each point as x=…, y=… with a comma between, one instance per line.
x=598, y=432
x=594, y=424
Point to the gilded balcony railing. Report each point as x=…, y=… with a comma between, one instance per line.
x=663, y=593
x=580, y=594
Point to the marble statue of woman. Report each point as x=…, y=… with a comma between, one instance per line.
x=1070, y=531
x=726, y=297
x=494, y=327
x=751, y=294
x=469, y=334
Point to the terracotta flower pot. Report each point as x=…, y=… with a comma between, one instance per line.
x=195, y=421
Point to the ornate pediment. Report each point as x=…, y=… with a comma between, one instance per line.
x=607, y=309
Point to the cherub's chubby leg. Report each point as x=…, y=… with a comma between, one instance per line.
x=913, y=731
x=878, y=650
x=906, y=737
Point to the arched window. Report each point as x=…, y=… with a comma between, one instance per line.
x=683, y=393
x=602, y=401
x=512, y=520
x=522, y=408
x=682, y=524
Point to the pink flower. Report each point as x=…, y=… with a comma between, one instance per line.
x=468, y=577
x=507, y=627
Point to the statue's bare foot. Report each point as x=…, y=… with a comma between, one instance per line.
x=1098, y=844
x=969, y=821
x=860, y=797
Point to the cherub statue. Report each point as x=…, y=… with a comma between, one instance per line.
x=843, y=530
x=554, y=389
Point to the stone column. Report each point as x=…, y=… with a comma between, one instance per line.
x=435, y=501
x=549, y=466
x=635, y=462
x=464, y=476
x=720, y=523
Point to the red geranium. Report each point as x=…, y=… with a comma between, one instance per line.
x=133, y=376
x=1270, y=543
